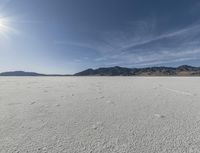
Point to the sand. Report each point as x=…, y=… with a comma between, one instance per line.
x=100, y=114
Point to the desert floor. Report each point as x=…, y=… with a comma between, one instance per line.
x=100, y=114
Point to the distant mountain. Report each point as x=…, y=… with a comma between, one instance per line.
x=111, y=71
x=20, y=73
x=183, y=70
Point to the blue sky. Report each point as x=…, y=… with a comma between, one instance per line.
x=67, y=36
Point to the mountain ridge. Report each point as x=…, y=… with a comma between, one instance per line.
x=23, y=73
x=183, y=70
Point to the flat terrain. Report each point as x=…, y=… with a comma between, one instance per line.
x=100, y=114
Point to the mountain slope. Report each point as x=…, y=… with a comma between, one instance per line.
x=20, y=73
x=183, y=70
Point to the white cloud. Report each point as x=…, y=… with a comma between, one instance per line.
x=141, y=45
x=179, y=45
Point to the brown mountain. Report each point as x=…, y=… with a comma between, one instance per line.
x=183, y=70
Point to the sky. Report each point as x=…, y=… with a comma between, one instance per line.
x=68, y=36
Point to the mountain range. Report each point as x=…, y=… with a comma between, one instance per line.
x=184, y=70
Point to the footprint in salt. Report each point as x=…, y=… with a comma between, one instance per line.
x=159, y=116
x=110, y=102
x=97, y=125
x=94, y=127
x=57, y=105
x=33, y=102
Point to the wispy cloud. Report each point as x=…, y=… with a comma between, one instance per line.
x=77, y=44
x=140, y=45
x=149, y=49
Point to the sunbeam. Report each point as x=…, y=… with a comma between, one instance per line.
x=5, y=27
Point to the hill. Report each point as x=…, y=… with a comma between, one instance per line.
x=23, y=73
x=183, y=70
x=20, y=73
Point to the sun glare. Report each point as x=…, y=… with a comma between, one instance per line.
x=5, y=27
x=3, y=24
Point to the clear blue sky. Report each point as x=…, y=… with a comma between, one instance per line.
x=67, y=36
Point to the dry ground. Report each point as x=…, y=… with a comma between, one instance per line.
x=100, y=114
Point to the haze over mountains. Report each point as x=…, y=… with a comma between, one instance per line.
x=183, y=70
